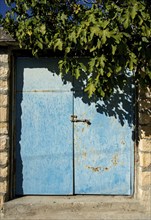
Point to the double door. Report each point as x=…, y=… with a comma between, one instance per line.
x=64, y=144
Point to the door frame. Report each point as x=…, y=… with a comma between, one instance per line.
x=15, y=53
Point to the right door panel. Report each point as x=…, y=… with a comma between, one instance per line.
x=104, y=148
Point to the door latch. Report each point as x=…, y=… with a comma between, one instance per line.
x=74, y=118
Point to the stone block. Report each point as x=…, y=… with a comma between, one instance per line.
x=3, y=128
x=4, y=58
x=3, y=114
x=4, y=143
x=145, y=159
x=144, y=118
x=3, y=158
x=3, y=186
x=145, y=131
x=3, y=85
x=144, y=179
x=1, y=201
x=4, y=72
x=3, y=172
x=148, y=92
x=145, y=104
x=145, y=144
x=3, y=100
x=145, y=92
x=145, y=198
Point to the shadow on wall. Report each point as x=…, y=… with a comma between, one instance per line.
x=145, y=112
x=119, y=105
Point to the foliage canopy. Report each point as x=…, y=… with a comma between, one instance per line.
x=115, y=36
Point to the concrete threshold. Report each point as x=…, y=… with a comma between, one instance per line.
x=74, y=207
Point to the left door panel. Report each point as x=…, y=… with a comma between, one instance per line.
x=44, y=134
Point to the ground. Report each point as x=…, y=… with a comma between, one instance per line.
x=74, y=207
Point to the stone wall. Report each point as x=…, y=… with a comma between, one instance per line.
x=144, y=147
x=4, y=125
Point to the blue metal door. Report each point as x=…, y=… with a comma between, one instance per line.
x=64, y=145
x=44, y=150
x=103, y=149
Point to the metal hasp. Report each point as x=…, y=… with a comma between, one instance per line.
x=74, y=118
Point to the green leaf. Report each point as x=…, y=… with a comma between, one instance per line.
x=79, y=29
x=102, y=60
x=90, y=89
x=101, y=71
x=72, y=37
x=144, y=39
x=83, y=67
x=126, y=23
x=126, y=18
x=43, y=1
x=67, y=50
x=43, y=29
x=140, y=20
x=61, y=63
x=101, y=92
x=91, y=64
x=133, y=60
x=134, y=11
x=117, y=37
x=58, y=44
x=99, y=44
x=63, y=18
x=77, y=73
x=108, y=74
x=118, y=69
x=149, y=73
x=29, y=32
x=40, y=45
x=94, y=30
x=105, y=34
x=105, y=23
x=114, y=47
x=91, y=17
x=92, y=49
